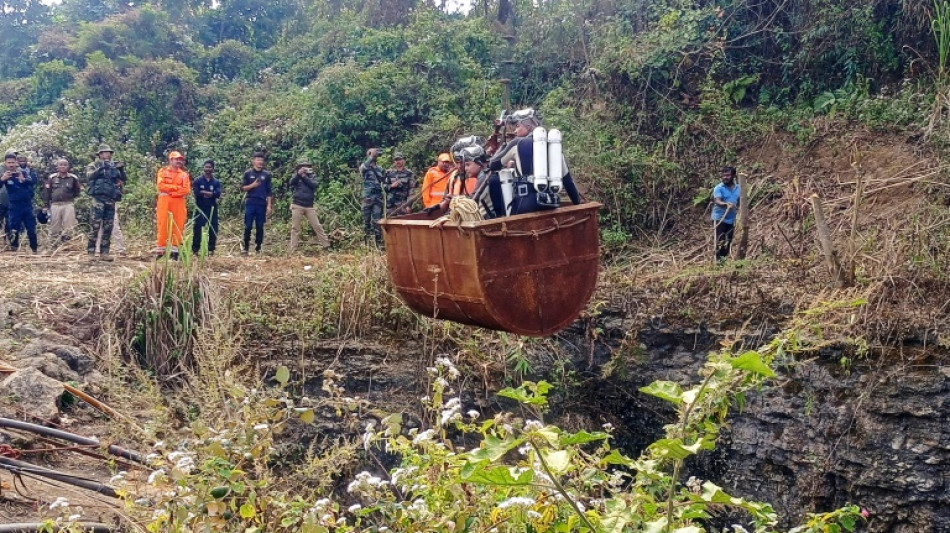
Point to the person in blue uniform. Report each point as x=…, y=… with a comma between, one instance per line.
x=20, y=183
x=207, y=190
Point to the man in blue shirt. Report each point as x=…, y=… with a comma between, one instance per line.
x=258, y=202
x=725, y=205
x=20, y=182
x=207, y=190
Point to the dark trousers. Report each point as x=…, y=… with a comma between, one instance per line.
x=4, y=212
x=724, y=233
x=206, y=217
x=17, y=219
x=102, y=217
x=372, y=212
x=254, y=215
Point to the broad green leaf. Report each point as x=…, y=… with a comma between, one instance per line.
x=498, y=475
x=674, y=448
x=282, y=375
x=581, y=437
x=666, y=390
x=558, y=461
x=307, y=416
x=493, y=448
x=617, y=458
x=550, y=434
x=247, y=511
x=656, y=526
x=752, y=362
x=713, y=493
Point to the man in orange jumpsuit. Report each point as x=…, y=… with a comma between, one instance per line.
x=436, y=181
x=174, y=186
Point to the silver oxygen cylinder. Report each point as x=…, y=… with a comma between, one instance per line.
x=555, y=161
x=540, y=159
x=507, y=178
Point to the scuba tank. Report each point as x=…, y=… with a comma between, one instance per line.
x=540, y=159
x=507, y=178
x=555, y=161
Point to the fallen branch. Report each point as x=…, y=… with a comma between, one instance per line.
x=70, y=437
x=20, y=468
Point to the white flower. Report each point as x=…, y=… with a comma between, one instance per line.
x=423, y=437
x=118, y=478
x=516, y=501
x=353, y=509
x=156, y=476
x=261, y=427
x=533, y=425
x=473, y=414
x=59, y=502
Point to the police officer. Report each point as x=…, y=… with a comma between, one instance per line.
x=59, y=192
x=373, y=178
x=105, y=179
x=20, y=183
x=207, y=190
x=400, y=181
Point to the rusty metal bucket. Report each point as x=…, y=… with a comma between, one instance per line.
x=529, y=274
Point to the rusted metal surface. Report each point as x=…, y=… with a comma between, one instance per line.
x=529, y=274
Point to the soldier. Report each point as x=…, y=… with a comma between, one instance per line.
x=373, y=178
x=304, y=186
x=105, y=179
x=20, y=183
x=59, y=192
x=258, y=201
x=400, y=181
x=207, y=191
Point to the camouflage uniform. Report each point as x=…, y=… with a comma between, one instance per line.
x=104, y=184
x=373, y=179
x=399, y=185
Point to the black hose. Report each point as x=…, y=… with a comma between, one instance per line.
x=19, y=467
x=35, y=527
x=69, y=437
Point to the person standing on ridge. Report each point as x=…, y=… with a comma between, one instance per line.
x=20, y=184
x=400, y=181
x=104, y=179
x=258, y=201
x=725, y=205
x=373, y=178
x=304, y=186
x=174, y=186
x=59, y=192
x=207, y=190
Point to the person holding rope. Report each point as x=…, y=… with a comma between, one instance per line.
x=725, y=206
x=436, y=181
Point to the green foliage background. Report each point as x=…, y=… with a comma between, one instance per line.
x=653, y=94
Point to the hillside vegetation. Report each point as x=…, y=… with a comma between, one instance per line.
x=263, y=385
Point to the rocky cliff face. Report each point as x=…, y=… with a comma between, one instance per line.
x=831, y=430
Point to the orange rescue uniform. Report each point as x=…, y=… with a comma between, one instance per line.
x=469, y=186
x=174, y=186
x=434, y=186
